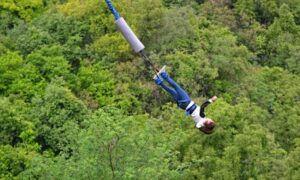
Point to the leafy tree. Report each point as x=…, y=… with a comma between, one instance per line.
x=59, y=116
x=8, y=21
x=219, y=13
x=77, y=103
x=110, y=48
x=293, y=161
x=29, y=83
x=294, y=7
x=274, y=90
x=10, y=66
x=150, y=22
x=28, y=39
x=51, y=63
x=281, y=42
x=113, y=146
x=129, y=95
x=176, y=33
x=263, y=11
x=13, y=121
x=98, y=82
x=19, y=78
x=70, y=33
x=78, y=9
x=13, y=161
x=2, y=49
x=24, y=8
x=250, y=156
x=223, y=52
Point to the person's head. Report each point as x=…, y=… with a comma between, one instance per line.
x=208, y=126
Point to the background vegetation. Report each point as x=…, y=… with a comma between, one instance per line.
x=77, y=103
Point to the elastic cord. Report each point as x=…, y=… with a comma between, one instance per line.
x=112, y=9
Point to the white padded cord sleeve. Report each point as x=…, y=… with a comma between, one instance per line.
x=134, y=42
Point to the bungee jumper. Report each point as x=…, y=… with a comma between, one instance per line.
x=204, y=124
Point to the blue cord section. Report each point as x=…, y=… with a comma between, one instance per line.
x=112, y=9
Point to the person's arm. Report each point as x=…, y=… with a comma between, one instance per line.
x=205, y=104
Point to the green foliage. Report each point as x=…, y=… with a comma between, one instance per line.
x=98, y=82
x=50, y=62
x=110, y=48
x=113, y=146
x=249, y=157
x=295, y=8
x=177, y=2
x=30, y=40
x=218, y=12
x=9, y=69
x=222, y=50
x=13, y=121
x=12, y=161
x=273, y=89
x=78, y=9
x=148, y=25
x=76, y=103
x=58, y=116
x=19, y=78
x=3, y=49
x=26, y=9
x=282, y=42
x=29, y=83
x=293, y=161
x=70, y=33
x=176, y=33
x=262, y=10
x=8, y=21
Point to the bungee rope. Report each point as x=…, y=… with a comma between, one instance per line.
x=129, y=35
x=112, y=9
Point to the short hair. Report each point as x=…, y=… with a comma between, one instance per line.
x=208, y=127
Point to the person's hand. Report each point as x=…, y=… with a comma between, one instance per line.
x=214, y=98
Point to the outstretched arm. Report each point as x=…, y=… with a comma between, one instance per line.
x=205, y=104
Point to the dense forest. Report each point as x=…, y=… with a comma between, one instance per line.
x=77, y=103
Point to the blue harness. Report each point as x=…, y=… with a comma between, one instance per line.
x=190, y=110
x=183, y=104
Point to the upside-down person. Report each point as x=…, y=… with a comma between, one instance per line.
x=204, y=124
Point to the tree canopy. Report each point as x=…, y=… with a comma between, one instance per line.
x=77, y=103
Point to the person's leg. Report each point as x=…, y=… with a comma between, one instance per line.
x=182, y=95
x=170, y=90
x=159, y=81
x=183, y=99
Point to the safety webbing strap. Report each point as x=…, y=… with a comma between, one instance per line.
x=148, y=62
